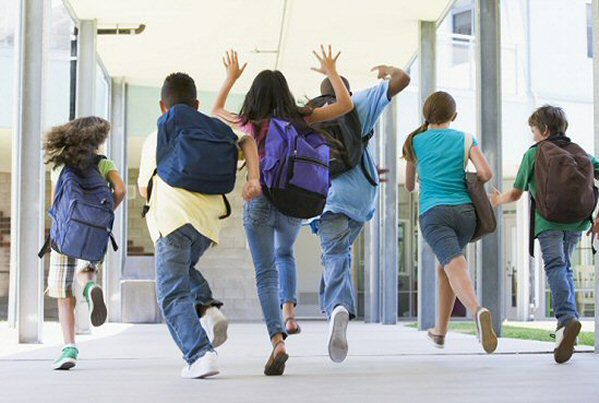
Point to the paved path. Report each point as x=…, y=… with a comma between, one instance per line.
x=125, y=363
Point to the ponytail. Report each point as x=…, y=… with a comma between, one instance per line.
x=438, y=108
x=408, y=152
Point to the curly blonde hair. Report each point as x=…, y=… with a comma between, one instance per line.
x=76, y=143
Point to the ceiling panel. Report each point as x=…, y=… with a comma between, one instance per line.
x=192, y=35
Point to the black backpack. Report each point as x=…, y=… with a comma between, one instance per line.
x=346, y=129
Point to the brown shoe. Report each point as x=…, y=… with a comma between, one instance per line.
x=437, y=339
x=565, y=338
x=276, y=362
x=484, y=327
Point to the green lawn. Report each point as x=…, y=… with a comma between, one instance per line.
x=515, y=332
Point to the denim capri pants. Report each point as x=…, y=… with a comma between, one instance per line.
x=448, y=229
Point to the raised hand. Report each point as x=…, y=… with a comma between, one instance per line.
x=382, y=70
x=231, y=63
x=328, y=63
x=382, y=172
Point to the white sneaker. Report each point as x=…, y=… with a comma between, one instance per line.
x=215, y=324
x=338, y=334
x=202, y=368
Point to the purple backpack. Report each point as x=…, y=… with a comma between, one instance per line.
x=295, y=170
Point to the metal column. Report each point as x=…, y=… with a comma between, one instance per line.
x=86, y=68
x=117, y=151
x=28, y=173
x=488, y=93
x=372, y=237
x=595, y=6
x=86, y=91
x=390, y=218
x=427, y=273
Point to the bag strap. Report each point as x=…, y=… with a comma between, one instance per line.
x=146, y=207
x=364, y=168
x=115, y=246
x=468, y=142
x=45, y=248
x=228, y=207
x=531, y=226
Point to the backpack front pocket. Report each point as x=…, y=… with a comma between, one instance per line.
x=87, y=231
x=309, y=174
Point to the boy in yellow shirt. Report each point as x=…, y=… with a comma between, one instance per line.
x=183, y=225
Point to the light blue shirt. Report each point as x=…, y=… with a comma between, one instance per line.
x=440, y=164
x=351, y=193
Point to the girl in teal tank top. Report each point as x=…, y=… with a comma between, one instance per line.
x=447, y=217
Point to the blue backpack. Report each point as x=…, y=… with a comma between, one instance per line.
x=295, y=171
x=82, y=215
x=195, y=152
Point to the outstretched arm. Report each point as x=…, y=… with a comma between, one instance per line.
x=498, y=198
x=398, y=79
x=231, y=62
x=344, y=104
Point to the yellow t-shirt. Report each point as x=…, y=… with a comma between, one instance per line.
x=172, y=208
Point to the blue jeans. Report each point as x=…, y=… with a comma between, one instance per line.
x=337, y=234
x=180, y=288
x=271, y=236
x=557, y=248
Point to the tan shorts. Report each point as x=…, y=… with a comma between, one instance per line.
x=62, y=273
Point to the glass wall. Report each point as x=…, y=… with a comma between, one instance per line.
x=56, y=109
x=7, y=38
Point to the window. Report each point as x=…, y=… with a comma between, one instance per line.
x=589, y=30
x=462, y=22
x=462, y=27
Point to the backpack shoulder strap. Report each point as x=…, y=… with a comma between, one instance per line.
x=365, y=171
x=146, y=207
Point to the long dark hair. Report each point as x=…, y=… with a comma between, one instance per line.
x=270, y=97
x=76, y=143
x=439, y=107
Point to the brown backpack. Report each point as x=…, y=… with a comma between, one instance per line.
x=564, y=175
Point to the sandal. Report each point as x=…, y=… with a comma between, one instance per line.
x=298, y=330
x=276, y=363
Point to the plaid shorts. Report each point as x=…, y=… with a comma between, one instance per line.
x=62, y=273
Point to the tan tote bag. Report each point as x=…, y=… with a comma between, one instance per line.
x=486, y=222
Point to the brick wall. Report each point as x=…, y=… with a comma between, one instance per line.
x=228, y=268
x=4, y=232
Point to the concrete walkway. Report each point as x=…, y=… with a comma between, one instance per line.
x=123, y=363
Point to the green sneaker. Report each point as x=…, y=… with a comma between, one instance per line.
x=67, y=359
x=95, y=301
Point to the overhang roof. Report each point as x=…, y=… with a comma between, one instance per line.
x=192, y=35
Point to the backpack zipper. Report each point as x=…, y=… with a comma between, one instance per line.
x=311, y=160
x=91, y=225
